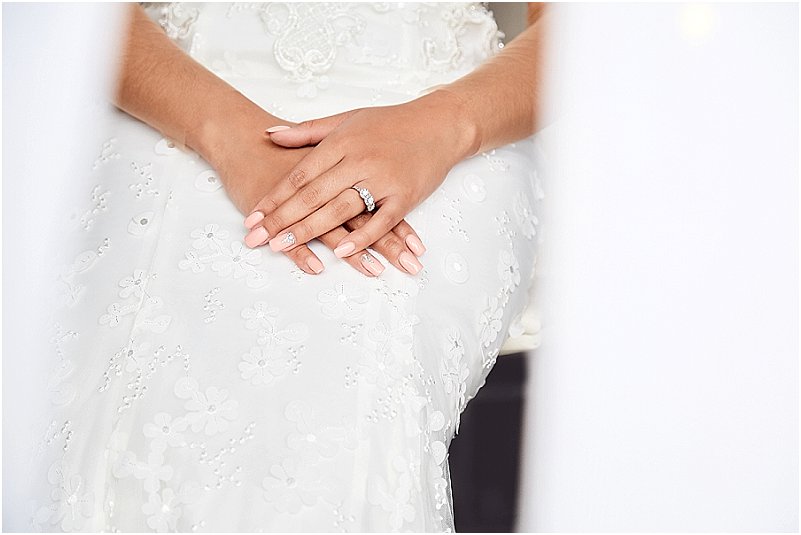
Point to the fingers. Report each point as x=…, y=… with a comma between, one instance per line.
x=381, y=222
x=341, y=208
x=405, y=232
x=306, y=260
x=364, y=262
x=306, y=133
x=307, y=169
x=392, y=245
x=306, y=201
x=310, y=263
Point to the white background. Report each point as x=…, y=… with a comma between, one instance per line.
x=58, y=66
x=664, y=396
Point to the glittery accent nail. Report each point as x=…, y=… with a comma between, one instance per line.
x=371, y=264
x=282, y=242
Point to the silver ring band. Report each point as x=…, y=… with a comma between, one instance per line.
x=366, y=196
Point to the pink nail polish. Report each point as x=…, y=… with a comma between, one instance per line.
x=277, y=128
x=252, y=219
x=345, y=249
x=315, y=264
x=256, y=237
x=282, y=242
x=371, y=264
x=414, y=243
x=410, y=263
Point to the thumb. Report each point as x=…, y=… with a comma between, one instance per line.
x=308, y=132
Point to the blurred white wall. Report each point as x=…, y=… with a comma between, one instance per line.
x=58, y=64
x=664, y=396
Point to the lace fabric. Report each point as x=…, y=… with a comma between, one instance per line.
x=199, y=385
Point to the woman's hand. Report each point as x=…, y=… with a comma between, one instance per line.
x=401, y=154
x=251, y=167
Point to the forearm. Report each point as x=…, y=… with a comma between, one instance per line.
x=498, y=101
x=164, y=87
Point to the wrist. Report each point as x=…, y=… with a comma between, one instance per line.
x=233, y=121
x=454, y=116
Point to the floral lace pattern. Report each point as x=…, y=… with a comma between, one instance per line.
x=199, y=385
x=308, y=41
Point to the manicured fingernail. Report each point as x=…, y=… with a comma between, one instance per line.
x=345, y=249
x=252, y=219
x=414, y=243
x=314, y=264
x=371, y=264
x=278, y=128
x=410, y=263
x=256, y=237
x=282, y=242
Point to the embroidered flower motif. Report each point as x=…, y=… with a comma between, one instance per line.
x=261, y=315
x=140, y=223
x=153, y=471
x=165, y=430
x=291, y=485
x=192, y=262
x=396, y=339
x=209, y=236
x=435, y=421
x=238, y=262
x=124, y=465
x=380, y=368
x=474, y=188
x=437, y=481
x=256, y=278
x=146, y=318
x=208, y=181
x=509, y=270
x=166, y=147
x=343, y=301
x=262, y=364
x=454, y=370
x=112, y=317
x=211, y=411
x=162, y=510
x=294, y=333
x=456, y=268
x=490, y=322
x=395, y=501
x=307, y=38
x=133, y=285
x=186, y=387
x=312, y=438
x=134, y=356
x=74, y=504
x=525, y=216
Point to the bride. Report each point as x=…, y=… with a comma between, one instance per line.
x=221, y=368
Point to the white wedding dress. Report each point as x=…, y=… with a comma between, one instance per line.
x=199, y=385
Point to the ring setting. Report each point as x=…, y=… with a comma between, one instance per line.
x=367, y=197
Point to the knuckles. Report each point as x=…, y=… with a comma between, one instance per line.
x=390, y=244
x=341, y=208
x=310, y=195
x=297, y=178
x=273, y=223
x=304, y=231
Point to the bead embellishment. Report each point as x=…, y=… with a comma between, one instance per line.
x=288, y=239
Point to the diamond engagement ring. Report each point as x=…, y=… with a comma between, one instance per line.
x=366, y=196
